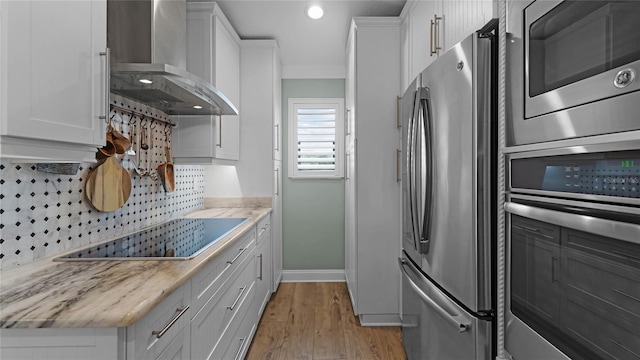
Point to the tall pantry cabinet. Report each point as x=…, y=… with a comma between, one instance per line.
x=261, y=84
x=372, y=190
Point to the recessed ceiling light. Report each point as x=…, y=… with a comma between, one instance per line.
x=145, y=81
x=314, y=11
x=197, y=107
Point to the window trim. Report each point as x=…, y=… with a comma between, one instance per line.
x=338, y=105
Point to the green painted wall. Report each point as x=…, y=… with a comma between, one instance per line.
x=312, y=210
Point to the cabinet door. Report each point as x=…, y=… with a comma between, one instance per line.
x=350, y=261
x=277, y=107
x=54, y=81
x=179, y=348
x=263, y=268
x=350, y=93
x=405, y=53
x=213, y=53
x=424, y=35
x=462, y=18
x=227, y=80
x=276, y=226
x=263, y=262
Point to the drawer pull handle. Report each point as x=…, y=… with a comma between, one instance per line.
x=625, y=348
x=260, y=277
x=235, y=302
x=240, y=349
x=237, y=256
x=181, y=312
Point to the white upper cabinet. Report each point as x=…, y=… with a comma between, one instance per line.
x=463, y=17
x=213, y=53
x=54, y=80
x=430, y=28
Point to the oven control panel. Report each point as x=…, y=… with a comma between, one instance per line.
x=610, y=174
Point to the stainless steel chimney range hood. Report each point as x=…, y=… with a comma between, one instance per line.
x=147, y=42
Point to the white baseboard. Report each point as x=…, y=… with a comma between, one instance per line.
x=379, y=320
x=313, y=275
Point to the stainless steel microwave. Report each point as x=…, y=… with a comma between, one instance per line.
x=573, y=69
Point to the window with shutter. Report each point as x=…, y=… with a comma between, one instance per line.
x=315, y=138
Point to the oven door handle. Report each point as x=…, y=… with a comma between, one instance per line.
x=609, y=228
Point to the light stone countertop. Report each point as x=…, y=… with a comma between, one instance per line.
x=77, y=294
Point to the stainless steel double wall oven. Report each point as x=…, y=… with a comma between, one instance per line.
x=573, y=170
x=573, y=216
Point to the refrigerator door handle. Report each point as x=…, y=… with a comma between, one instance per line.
x=411, y=171
x=424, y=110
x=458, y=321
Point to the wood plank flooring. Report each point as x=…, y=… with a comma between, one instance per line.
x=315, y=321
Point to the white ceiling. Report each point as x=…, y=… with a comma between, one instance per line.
x=308, y=48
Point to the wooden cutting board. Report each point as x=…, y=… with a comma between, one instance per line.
x=108, y=185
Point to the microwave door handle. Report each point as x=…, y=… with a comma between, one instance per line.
x=610, y=228
x=427, y=161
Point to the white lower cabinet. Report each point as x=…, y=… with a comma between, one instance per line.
x=263, y=264
x=213, y=315
x=240, y=341
x=210, y=326
x=149, y=337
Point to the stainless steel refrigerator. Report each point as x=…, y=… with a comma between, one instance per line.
x=449, y=204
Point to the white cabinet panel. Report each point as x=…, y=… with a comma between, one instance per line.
x=424, y=26
x=45, y=344
x=276, y=226
x=371, y=192
x=54, y=79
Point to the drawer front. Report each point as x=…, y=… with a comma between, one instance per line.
x=179, y=348
x=208, y=327
x=236, y=341
x=209, y=280
x=263, y=229
x=149, y=337
x=241, y=340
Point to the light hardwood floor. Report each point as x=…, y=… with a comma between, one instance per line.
x=315, y=321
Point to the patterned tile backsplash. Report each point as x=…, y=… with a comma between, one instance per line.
x=43, y=214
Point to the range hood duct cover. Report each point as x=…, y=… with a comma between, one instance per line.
x=147, y=41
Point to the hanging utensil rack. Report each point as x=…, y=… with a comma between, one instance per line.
x=134, y=117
